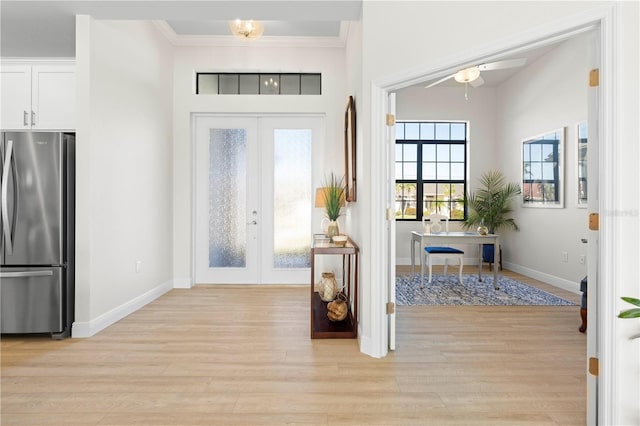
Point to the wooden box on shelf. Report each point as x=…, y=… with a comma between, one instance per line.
x=321, y=326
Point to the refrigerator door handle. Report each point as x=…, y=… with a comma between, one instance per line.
x=25, y=118
x=5, y=203
x=26, y=274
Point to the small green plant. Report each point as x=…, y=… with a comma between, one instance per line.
x=633, y=312
x=333, y=196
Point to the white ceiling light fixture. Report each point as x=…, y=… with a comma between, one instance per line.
x=246, y=30
x=467, y=75
x=472, y=76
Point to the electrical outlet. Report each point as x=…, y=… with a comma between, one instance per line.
x=565, y=257
x=582, y=259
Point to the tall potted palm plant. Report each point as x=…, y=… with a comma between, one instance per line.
x=490, y=206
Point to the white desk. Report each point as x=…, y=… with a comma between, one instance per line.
x=442, y=238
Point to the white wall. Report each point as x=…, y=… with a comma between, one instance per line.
x=448, y=103
x=255, y=57
x=398, y=44
x=549, y=94
x=124, y=176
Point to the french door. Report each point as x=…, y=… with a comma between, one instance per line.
x=253, y=198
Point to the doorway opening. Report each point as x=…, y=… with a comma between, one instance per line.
x=592, y=115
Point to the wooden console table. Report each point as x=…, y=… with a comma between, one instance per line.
x=321, y=326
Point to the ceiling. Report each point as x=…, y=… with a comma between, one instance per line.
x=47, y=28
x=30, y=28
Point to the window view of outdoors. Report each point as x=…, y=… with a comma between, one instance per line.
x=430, y=169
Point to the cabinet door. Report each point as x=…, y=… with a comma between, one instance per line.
x=15, y=92
x=53, y=97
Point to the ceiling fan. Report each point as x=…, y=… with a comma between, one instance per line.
x=472, y=76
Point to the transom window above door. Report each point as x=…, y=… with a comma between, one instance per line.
x=430, y=169
x=211, y=83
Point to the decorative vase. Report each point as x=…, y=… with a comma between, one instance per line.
x=333, y=229
x=337, y=310
x=328, y=287
x=482, y=229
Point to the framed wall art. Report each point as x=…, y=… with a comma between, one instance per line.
x=543, y=170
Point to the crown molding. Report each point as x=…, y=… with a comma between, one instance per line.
x=266, y=41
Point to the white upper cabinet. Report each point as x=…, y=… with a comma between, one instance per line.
x=38, y=96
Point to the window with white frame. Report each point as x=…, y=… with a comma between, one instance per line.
x=430, y=171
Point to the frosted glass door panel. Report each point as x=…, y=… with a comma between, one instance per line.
x=227, y=198
x=292, y=198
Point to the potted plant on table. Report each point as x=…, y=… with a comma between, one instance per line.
x=490, y=207
x=334, y=197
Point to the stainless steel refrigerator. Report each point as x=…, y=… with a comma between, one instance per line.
x=37, y=232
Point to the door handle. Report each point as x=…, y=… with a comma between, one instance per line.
x=25, y=118
x=26, y=274
x=33, y=118
x=6, y=229
x=253, y=222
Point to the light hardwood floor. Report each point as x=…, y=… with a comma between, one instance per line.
x=242, y=355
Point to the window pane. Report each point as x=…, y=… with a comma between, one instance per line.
x=536, y=152
x=429, y=152
x=207, y=84
x=535, y=171
x=292, y=198
x=427, y=131
x=443, y=152
x=442, y=131
x=547, y=152
x=227, y=198
x=429, y=198
x=457, y=171
x=290, y=84
x=410, y=152
x=457, y=191
x=526, y=152
x=428, y=171
x=249, y=84
x=310, y=84
x=412, y=131
x=443, y=171
x=269, y=84
x=405, y=201
x=410, y=171
x=458, y=132
x=228, y=84
x=400, y=131
x=547, y=171
x=457, y=153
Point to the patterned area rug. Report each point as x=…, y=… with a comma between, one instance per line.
x=446, y=290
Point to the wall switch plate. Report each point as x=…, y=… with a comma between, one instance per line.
x=582, y=259
x=138, y=266
x=565, y=257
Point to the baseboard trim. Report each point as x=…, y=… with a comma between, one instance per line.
x=91, y=328
x=545, y=278
x=182, y=283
